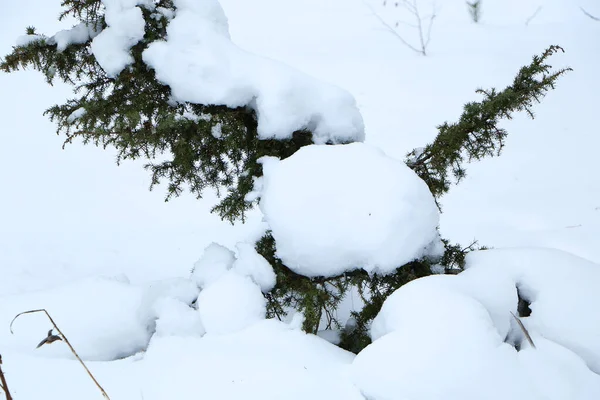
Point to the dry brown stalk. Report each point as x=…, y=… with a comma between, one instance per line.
x=3, y=384
x=525, y=331
x=61, y=336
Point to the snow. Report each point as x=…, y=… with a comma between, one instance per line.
x=337, y=208
x=175, y=318
x=25, y=40
x=330, y=335
x=79, y=34
x=68, y=218
x=98, y=316
x=125, y=28
x=267, y=361
x=165, y=12
x=461, y=324
x=230, y=304
x=201, y=65
x=164, y=299
x=562, y=290
x=251, y=264
x=217, y=260
x=216, y=131
x=75, y=115
x=214, y=263
x=232, y=298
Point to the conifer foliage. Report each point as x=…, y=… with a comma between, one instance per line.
x=205, y=145
x=477, y=133
x=199, y=146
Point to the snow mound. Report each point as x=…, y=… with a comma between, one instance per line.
x=201, y=65
x=165, y=307
x=98, y=316
x=251, y=264
x=175, y=318
x=214, y=263
x=217, y=260
x=562, y=289
x=231, y=304
x=267, y=361
x=336, y=208
x=462, y=324
x=231, y=298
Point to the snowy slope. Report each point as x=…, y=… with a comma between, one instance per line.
x=74, y=225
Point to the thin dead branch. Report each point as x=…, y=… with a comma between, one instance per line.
x=422, y=24
x=52, y=338
x=393, y=31
x=3, y=384
x=525, y=331
x=532, y=16
x=589, y=15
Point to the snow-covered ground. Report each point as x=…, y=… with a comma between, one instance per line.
x=111, y=261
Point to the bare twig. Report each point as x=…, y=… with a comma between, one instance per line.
x=423, y=31
x=51, y=338
x=3, y=384
x=532, y=16
x=393, y=31
x=525, y=332
x=589, y=15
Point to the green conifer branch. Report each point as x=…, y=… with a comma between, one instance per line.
x=134, y=113
x=477, y=135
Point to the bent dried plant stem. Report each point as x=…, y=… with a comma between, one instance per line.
x=3, y=384
x=532, y=16
x=64, y=338
x=525, y=331
x=589, y=15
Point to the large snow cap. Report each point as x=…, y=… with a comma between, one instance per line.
x=125, y=27
x=336, y=208
x=201, y=65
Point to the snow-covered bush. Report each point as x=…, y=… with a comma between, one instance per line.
x=161, y=80
x=462, y=340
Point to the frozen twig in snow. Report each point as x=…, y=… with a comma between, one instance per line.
x=52, y=338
